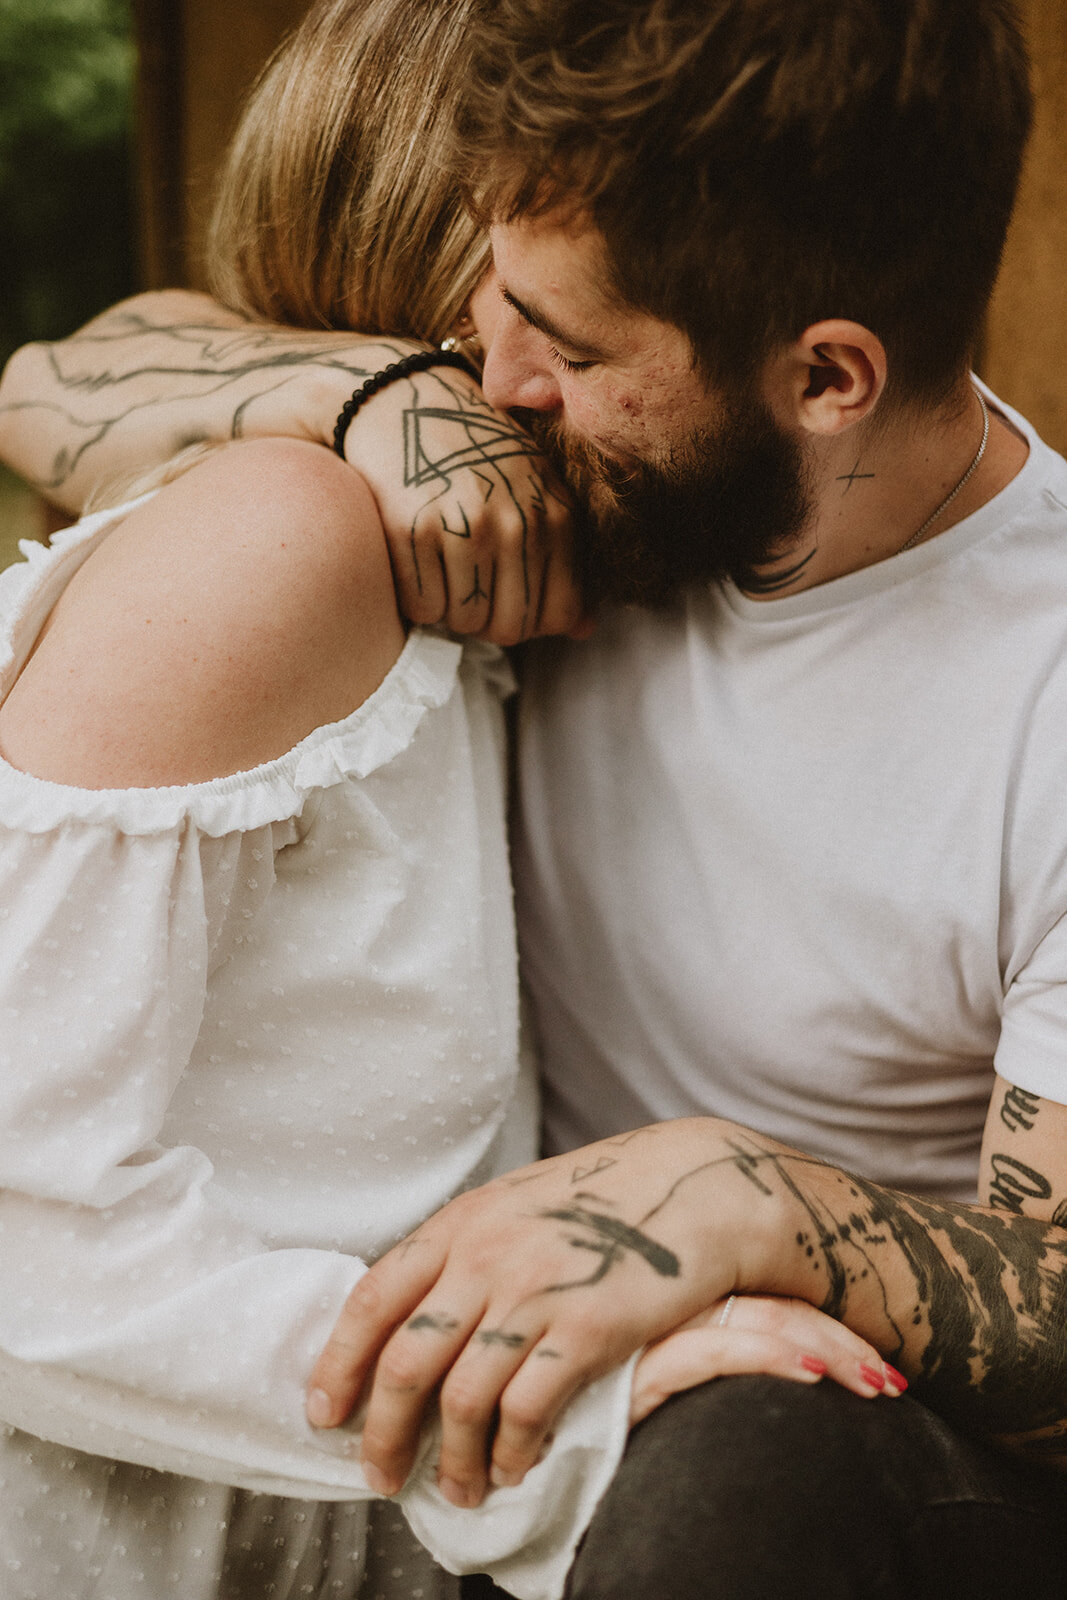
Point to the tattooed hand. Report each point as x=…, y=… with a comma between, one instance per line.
x=515, y=1295
x=478, y=531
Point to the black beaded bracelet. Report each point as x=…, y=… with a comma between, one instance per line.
x=419, y=362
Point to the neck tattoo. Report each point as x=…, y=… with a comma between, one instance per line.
x=967, y=476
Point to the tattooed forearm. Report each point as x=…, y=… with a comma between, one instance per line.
x=974, y=1304
x=970, y=1301
x=147, y=378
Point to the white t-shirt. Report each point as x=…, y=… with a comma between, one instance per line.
x=803, y=862
x=252, y=1031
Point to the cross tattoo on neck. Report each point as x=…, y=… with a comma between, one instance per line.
x=849, y=478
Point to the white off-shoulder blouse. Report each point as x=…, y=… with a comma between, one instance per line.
x=252, y=1031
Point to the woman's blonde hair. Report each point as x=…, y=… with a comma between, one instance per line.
x=336, y=207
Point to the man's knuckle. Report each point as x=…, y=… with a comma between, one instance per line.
x=401, y=1370
x=465, y=1404
x=523, y=1417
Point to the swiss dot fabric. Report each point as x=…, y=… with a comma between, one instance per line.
x=252, y=1031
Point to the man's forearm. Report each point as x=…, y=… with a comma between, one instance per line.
x=970, y=1303
x=162, y=371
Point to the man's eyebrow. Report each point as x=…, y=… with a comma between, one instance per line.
x=551, y=330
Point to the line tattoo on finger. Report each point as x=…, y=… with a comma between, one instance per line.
x=432, y=1322
x=500, y=1336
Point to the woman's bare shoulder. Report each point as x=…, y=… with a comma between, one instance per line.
x=247, y=603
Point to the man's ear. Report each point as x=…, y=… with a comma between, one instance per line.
x=831, y=378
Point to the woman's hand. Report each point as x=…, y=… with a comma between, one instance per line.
x=781, y=1337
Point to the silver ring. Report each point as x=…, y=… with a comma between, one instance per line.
x=724, y=1314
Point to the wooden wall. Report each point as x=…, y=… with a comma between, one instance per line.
x=199, y=56
x=1025, y=353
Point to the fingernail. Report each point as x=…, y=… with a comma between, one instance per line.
x=319, y=1409
x=813, y=1364
x=377, y=1482
x=504, y=1480
x=897, y=1379
x=458, y=1494
x=874, y=1378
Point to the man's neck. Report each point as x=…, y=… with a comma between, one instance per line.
x=874, y=489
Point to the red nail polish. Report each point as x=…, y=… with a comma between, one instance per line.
x=813, y=1364
x=897, y=1379
x=875, y=1379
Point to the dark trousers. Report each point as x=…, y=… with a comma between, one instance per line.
x=760, y=1489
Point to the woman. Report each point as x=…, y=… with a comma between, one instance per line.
x=257, y=969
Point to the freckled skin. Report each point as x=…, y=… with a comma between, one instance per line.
x=637, y=401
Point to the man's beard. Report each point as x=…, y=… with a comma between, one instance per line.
x=727, y=505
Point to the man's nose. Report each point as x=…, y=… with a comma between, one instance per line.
x=518, y=369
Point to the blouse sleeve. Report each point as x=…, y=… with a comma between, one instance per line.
x=138, y=1320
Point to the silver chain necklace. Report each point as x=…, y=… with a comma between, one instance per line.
x=967, y=476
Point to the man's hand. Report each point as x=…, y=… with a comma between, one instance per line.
x=478, y=529
x=515, y=1295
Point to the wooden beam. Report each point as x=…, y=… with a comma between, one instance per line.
x=159, y=36
x=1024, y=357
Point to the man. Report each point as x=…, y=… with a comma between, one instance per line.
x=792, y=850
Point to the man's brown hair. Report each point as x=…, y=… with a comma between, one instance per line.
x=758, y=165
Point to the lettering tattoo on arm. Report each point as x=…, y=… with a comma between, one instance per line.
x=1013, y=1182
x=1019, y=1109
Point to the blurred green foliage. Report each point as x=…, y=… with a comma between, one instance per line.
x=66, y=210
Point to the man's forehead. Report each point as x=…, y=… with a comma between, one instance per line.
x=554, y=271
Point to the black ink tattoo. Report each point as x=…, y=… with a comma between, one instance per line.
x=1014, y=1182
x=511, y=1341
x=610, y=1239
x=433, y=1322
x=583, y=1174
x=777, y=580
x=208, y=361
x=855, y=476
x=1019, y=1109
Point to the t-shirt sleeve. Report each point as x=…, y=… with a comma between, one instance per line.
x=1032, y=1050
